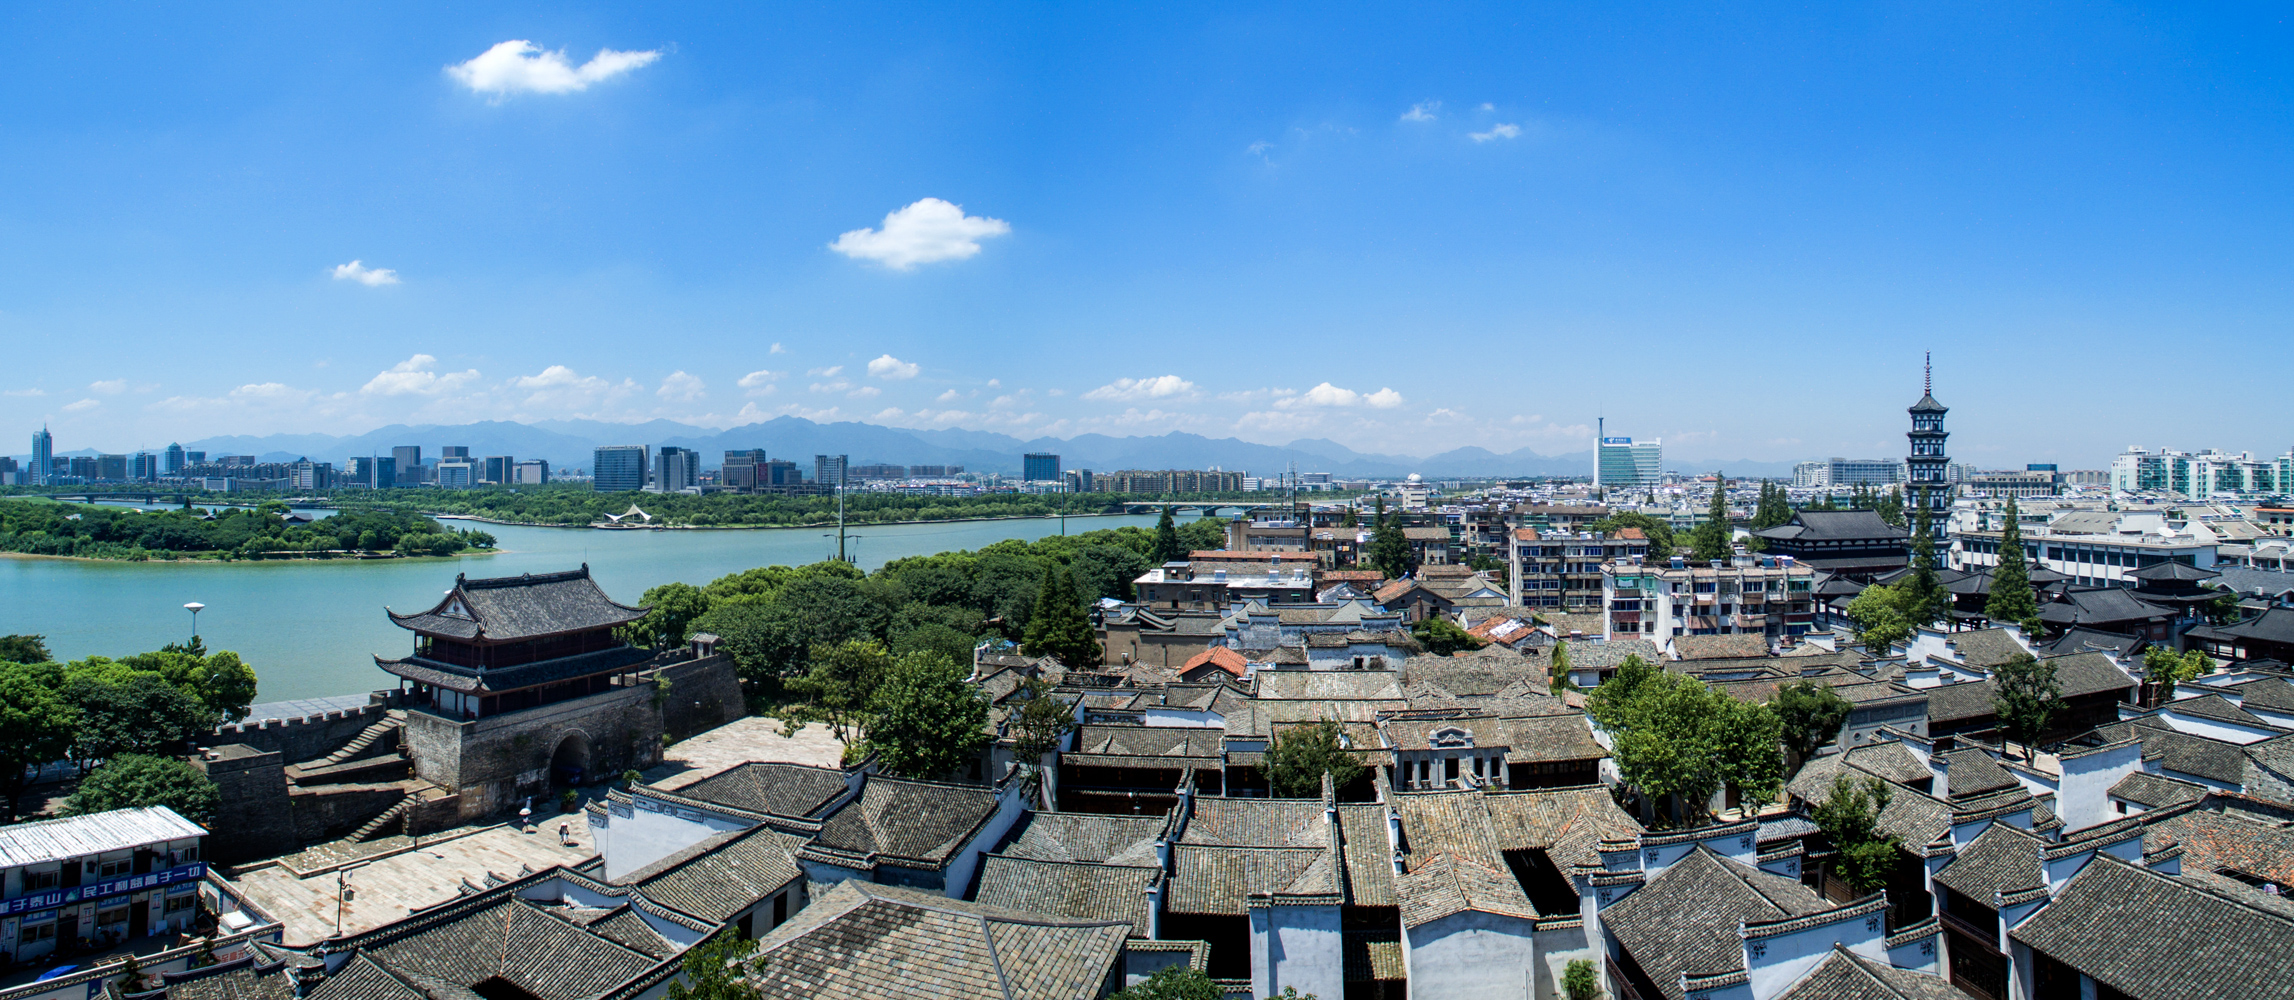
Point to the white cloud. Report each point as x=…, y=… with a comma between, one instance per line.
x=559, y=389
x=778, y=349
x=520, y=66
x=927, y=231
x=371, y=277
x=1422, y=112
x=831, y=371
x=759, y=382
x=109, y=387
x=1259, y=148
x=838, y=385
x=416, y=376
x=995, y=383
x=23, y=392
x=950, y=396
x=1327, y=395
x=1487, y=106
x=1496, y=132
x=1157, y=387
x=865, y=392
x=82, y=405
x=681, y=387
x=893, y=368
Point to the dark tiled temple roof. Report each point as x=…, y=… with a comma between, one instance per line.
x=2156, y=791
x=1973, y=772
x=1685, y=919
x=2186, y=943
x=1845, y=975
x=2000, y=859
x=2181, y=752
x=2100, y=606
x=1078, y=890
x=513, y=608
x=1088, y=837
x=2218, y=708
x=861, y=941
x=1220, y=880
x=722, y=875
x=1835, y=525
x=506, y=937
x=922, y=821
x=1961, y=701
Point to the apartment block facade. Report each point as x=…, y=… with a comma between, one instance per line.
x=1562, y=569
x=1768, y=596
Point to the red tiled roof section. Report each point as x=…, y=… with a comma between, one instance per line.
x=1631, y=533
x=1221, y=657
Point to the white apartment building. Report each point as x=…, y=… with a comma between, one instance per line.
x=1744, y=596
x=2096, y=548
x=1848, y=472
x=2202, y=475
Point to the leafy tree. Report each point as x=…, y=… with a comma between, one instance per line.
x=1925, y=601
x=1441, y=636
x=1202, y=533
x=671, y=610
x=1167, y=545
x=1890, y=506
x=935, y=637
x=1348, y=518
x=2222, y=610
x=1107, y=571
x=1881, y=616
x=717, y=969
x=36, y=727
x=1850, y=819
x=1579, y=981
x=1174, y=982
x=1059, y=628
x=1004, y=586
x=1774, y=509
x=132, y=781
x=1660, y=533
x=1389, y=551
x=125, y=711
x=2011, y=600
x=1557, y=671
x=2165, y=668
x=220, y=681
x=1711, y=538
x=1812, y=715
x=1675, y=736
x=926, y=718
x=24, y=649
x=1299, y=756
x=1043, y=721
x=2025, y=696
x=837, y=689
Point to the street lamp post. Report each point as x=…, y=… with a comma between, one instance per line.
x=195, y=608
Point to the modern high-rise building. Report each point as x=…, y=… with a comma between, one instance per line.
x=409, y=459
x=780, y=472
x=111, y=468
x=453, y=451
x=1848, y=472
x=143, y=467
x=1039, y=467
x=43, y=456
x=501, y=470
x=740, y=469
x=377, y=472
x=191, y=458
x=676, y=469
x=173, y=465
x=1927, y=478
x=828, y=470
x=620, y=468
x=457, y=473
x=531, y=472
x=1626, y=463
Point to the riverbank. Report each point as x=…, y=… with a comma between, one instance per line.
x=220, y=558
x=830, y=523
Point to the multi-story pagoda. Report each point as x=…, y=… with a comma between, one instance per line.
x=1926, y=469
x=517, y=684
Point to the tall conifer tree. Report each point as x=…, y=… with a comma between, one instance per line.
x=2011, y=601
x=1712, y=537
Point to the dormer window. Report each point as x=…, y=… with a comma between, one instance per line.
x=1451, y=736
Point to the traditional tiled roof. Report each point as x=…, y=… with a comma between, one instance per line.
x=2181, y=752
x=1321, y=684
x=1368, y=855
x=1237, y=822
x=1707, y=647
x=795, y=790
x=861, y=941
x=1893, y=761
x=1973, y=772
x=2271, y=693
x=1089, y=837
x=1985, y=648
x=1566, y=823
x=1417, y=734
x=2000, y=859
x=1916, y=819
x=1469, y=676
x=2156, y=790
x=2087, y=640
x=2100, y=606
x=1550, y=739
x=1221, y=657
x=923, y=821
x=1605, y=655
x=514, y=939
x=2191, y=943
x=722, y=875
x=1845, y=975
x=1180, y=744
x=1685, y=919
x=1078, y=890
x=1835, y=525
x=513, y=608
x=1372, y=955
x=1452, y=860
x=2247, y=836
x=1220, y=879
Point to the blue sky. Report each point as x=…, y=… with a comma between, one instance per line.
x=1402, y=229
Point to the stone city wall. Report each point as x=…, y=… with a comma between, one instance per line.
x=301, y=739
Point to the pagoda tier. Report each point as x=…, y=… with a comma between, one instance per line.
x=507, y=643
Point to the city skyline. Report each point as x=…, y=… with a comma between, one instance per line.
x=1269, y=225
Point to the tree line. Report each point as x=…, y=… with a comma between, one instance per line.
x=114, y=718
x=97, y=531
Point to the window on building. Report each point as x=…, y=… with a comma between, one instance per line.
x=178, y=904
x=36, y=932
x=36, y=881
x=110, y=915
x=107, y=869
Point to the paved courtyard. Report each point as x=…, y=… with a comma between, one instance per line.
x=416, y=876
x=756, y=738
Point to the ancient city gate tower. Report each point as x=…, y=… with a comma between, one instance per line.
x=518, y=685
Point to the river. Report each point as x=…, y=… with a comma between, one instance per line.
x=311, y=629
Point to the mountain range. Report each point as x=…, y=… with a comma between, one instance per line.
x=568, y=444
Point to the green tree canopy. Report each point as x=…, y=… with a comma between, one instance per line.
x=1167, y=544
x=1058, y=627
x=2165, y=668
x=2026, y=697
x=1674, y=736
x=1042, y=723
x=670, y=612
x=1441, y=636
x=24, y=649
x=1711, y=537
x=132, y=781
x=2011, y=601
x=1299, y=756
x=1811, y=714
x=1174, y=982
x=220, y=680
x=1557, y=668
x=1850, y=818
x=717, y=969
x=1662, y=546
x=1925, y=601
x=1882, y=617
x=1389, y=551
x=36, y=727
x=927, y=720
x=1107, y=571
x=836, y=687
x=126, y=711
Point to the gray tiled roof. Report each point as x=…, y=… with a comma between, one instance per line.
x=1985, y=648
x=1605, y=655
x=2000, y=859
x=1322, y=684
x=1080, y=890
x=1089, y=837
x=1550, y=738
x=1845, y=975
x=1453, y=860
x=1973, y=772
x=923, y=820
x=1711, y=647
x=2192, y=943
x=861, y=941
x=2156, y=790
x=1220, y=880
x=2243, y=834
x=2181, y=752
x=718, y=878
x=1685, y=919
x=1890, y=760
x=1959, y=702
x=2218, y=708
x=2273, y=693
x=1256, y=823
x=1369, y=864
x=1810, y=525
x=510, y=608
x=542, y=953
x=2080, y=674
x=1149, y=741
x=794, y=790
x=2099, y=606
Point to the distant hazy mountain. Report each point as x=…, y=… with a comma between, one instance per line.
x=568, y=443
